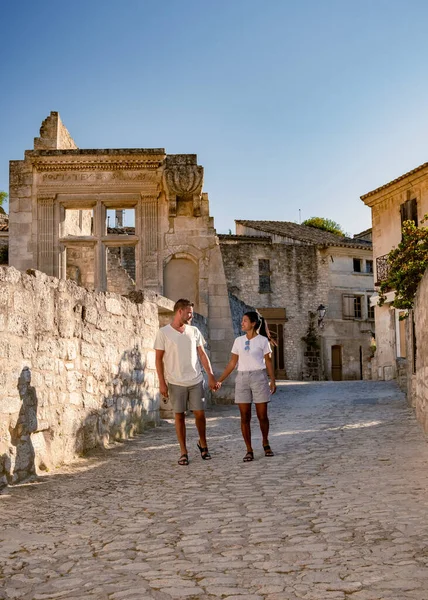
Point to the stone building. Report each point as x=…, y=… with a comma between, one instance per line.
x=61, y=202
x=404, y=198
x=287, y=271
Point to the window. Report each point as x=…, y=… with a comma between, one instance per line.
x=357, y=265
x=352, y=307
x=358, y=313
x=370, y=310
x=369, y=266
x=409, y=211
x=264, y=276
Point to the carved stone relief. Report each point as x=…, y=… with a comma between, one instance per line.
x=183, y=178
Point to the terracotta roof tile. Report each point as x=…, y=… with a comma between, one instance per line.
x=382, y=187
x=304, y=233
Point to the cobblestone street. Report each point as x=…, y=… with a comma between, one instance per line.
x=340, y=512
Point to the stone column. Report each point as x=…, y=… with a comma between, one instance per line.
x=100, y=281
x=46, y=242
x=149, y=241
x=138, y=249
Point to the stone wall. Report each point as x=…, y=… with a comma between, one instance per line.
x=417, y=381
x=77, y=370
x=53, y=135
x=81, y=266
x=238, y=308
x=385, y=365
x=299, y=283
x=119, y=278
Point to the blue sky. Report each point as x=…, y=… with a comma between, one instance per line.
x=302, y=105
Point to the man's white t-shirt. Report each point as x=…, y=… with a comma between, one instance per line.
x=181, y=362
x=252, y=359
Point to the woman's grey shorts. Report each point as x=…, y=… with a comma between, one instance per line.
x=187, y=397
x=252, y=386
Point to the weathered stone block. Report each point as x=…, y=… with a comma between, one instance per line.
x=72, y=377
x=113, y=306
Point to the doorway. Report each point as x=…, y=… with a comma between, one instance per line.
x=277, y=332
x=275, y=318
x=336, y=363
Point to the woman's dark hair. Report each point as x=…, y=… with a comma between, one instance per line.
x=260, y=324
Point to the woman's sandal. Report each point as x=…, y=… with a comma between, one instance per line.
x=183, y=460
x=249, y=456
x=268, y=450
x=205, y=455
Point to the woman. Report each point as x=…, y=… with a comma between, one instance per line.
x=253, y=355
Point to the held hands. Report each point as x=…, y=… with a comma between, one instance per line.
x=214, y=385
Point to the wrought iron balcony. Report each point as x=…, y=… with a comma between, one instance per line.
x=382, y=268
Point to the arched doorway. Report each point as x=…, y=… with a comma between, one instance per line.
x=180, y=280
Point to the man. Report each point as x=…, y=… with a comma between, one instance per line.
x=178, y=347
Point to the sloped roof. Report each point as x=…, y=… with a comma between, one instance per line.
x=304, y=233
x=362, y=233
x=230, y=237
x=382, y=187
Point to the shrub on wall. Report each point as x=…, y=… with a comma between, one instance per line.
x=325, y=225
x=407, y=265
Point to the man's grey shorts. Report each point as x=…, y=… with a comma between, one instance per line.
x=252, y=386
x=187, y=397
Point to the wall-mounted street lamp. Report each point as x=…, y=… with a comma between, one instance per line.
x=321, y=310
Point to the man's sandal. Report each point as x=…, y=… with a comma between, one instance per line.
x=205, y=455
x=268, y=450
x=249, y=456
x=183, y=460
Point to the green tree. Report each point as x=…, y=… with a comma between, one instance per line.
x=325, y=224
x=407, y=265
x=3, y=198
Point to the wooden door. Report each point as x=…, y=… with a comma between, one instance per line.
x=275, y=318
x=336, y=363
x=277, y=332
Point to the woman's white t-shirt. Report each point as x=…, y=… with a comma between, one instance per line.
x=252, y=359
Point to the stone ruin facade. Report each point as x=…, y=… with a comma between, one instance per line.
x=60, y=198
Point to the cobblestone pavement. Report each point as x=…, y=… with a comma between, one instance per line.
x=339, y=513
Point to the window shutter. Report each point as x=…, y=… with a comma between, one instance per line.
x=403, y=212
x=413, y=206
x=348, y=306
x=409, y=211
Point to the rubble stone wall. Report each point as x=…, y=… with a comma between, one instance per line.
x=299, y=283
x=418, y=380
x=77, y=370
